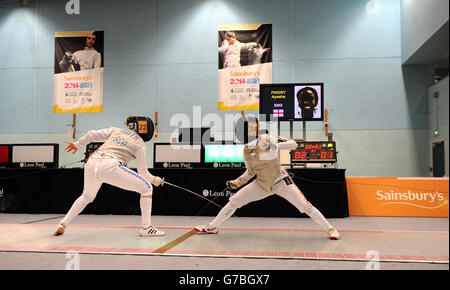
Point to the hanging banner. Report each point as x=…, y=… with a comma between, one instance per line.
x=245, y=61
x=78, y=79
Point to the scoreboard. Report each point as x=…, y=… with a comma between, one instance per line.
x=33, y=155
x=292, y=102
x=314, y=152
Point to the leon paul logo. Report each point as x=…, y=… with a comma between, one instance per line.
x=209, y=192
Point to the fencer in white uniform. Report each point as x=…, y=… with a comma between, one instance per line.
x=108, y=165
x=87, y=58
x=231, y=50
x=261, y=159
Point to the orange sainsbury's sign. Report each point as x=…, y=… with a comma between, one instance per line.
x=398, y=196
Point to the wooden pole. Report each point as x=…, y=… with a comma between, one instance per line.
x=74, y=118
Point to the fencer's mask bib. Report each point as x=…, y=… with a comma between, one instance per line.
x=307, y=100
x=246, y=129
x=143, y=126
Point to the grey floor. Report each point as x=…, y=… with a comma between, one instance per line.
x=16, y=260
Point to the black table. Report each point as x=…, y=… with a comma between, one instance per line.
x=27, y=190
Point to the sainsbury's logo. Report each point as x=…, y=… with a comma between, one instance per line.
x=428, y=200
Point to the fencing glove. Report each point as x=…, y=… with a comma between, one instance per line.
x=235, y=184
x=157, y=181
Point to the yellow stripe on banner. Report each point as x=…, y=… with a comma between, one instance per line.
x=240, y=27
x=93, y=109
x=223, y=107
x=74, y=33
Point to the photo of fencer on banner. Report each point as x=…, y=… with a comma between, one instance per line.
x=78, y=78
x=245, y=62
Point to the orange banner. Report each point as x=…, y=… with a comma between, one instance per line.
x=398, y=196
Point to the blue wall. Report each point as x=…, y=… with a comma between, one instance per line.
x=161, y=56
x=420, y=20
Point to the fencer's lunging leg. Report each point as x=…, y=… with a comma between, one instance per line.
x=91, y=187
x=226, y=212
x=128, y=179
x=288, y=190
x=211, y=228
x=318, y=217
x=147, y=230
x=249, y=193
x=146, y=210
x=76, y=209
x=292, y=193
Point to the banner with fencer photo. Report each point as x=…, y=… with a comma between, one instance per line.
x=78, y=76
x=245, y=62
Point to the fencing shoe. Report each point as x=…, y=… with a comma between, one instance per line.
x=333, y=234
x=206, y=229
x=60, y=229
x=151, y=231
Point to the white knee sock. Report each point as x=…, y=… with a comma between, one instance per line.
x=317, y=216
x=76, y=209
x=227, y=211
x=146, y=211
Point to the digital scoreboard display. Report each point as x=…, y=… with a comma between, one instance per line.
x=292, y=102
x=33, y=155
x=224, y=153
x=177, y=155
x=224, y=156
x=314, y=152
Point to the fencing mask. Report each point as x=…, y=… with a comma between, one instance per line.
x=246, y=129
x=143, y=126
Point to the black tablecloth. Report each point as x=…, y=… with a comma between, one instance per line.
x=54, y=190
